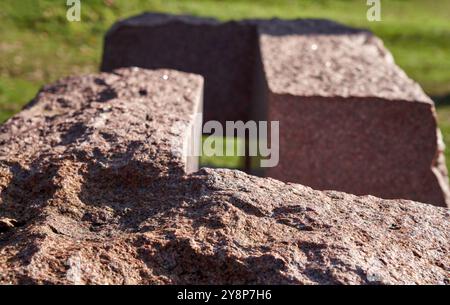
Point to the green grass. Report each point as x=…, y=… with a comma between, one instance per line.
x=223, y=161
x=38, y=45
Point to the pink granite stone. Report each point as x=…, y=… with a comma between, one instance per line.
x=350, y=119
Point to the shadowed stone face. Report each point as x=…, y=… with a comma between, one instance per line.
x=224, y=54
x=93, y=191
x=350, y=119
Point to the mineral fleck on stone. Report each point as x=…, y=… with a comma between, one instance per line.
x=350, y=119
x=93, y=191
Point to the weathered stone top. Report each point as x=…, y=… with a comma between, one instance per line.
x=85, y=198
x=342, y=65
x=313, y=57
x=273, y=26
x=97, y=117
x=154, y=19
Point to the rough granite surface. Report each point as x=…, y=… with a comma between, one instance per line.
x=92, y=192
x=335, y=65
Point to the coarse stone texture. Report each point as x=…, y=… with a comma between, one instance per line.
x=91, y=192
x=350, y=119
x=131, y=113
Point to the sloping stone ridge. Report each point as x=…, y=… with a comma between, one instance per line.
x=350, y=119
x=93, y=191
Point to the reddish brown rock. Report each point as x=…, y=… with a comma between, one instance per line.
x=91, y=192
x=350, y=119
x=128, y=114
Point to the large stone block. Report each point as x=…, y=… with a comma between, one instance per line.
x=93, y=191
x=350, y=119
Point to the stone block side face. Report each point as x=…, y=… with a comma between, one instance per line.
x=224, y=54
x=360, y=146
x=193, y=136
x=350, y=119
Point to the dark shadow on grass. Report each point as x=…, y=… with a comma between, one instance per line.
x=441, y=100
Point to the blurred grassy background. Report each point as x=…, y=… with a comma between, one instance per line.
x=38, y=45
